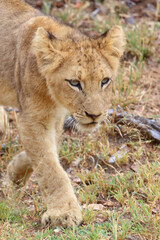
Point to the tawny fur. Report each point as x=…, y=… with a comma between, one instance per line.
x=3, y=120
x=37, y=54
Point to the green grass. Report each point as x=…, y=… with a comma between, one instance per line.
x=136, y=196
x=141, y=40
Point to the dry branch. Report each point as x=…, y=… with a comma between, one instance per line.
x=147, y=126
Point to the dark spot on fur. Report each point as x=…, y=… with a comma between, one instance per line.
x=48, y=221
x=81, y=223
x=51, y=36
x=105, y=33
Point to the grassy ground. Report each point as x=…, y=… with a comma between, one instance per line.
x=120, y=200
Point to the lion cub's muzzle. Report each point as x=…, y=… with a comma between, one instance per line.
x=93, y=116
x=88, y=120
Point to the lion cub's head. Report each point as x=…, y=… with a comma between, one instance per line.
x=80, y=71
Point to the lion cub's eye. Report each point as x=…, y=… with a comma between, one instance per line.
x=75, y=83
x=105, y=81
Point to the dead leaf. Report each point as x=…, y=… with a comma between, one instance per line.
x=134, y=167
x=94, y=206
x=109, y=203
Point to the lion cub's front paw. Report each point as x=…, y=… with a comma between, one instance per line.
x=57, y=217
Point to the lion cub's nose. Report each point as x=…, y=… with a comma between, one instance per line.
x=93, y=116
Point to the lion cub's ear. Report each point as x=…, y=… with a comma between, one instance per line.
x=48, y=51
x=112, y=45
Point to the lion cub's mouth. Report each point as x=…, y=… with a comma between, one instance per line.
x=88, y=126
x=71, y=122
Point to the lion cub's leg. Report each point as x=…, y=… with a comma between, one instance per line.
x=19, y=169
x=39, y=139
x=3, y=120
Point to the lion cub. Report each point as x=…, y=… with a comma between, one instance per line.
x=46, y=70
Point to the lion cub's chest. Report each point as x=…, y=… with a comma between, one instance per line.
x=8, y=96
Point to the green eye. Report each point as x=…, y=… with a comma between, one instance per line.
x=74, y=83
x=105, y=81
